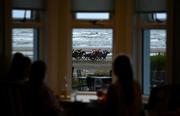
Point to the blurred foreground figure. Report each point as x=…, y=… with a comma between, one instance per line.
x=43, y=101
x=19, y=68
x=124, y=96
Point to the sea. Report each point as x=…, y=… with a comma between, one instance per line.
x=23, y=39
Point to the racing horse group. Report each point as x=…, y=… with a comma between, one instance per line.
x=95, y=54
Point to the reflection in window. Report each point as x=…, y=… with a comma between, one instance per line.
x=91, y=58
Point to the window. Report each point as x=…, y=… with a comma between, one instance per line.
x=92, y=16
x=24, y=40
x=154, y=58
x=161, y=17
x=148, y=18
x=91, y=58
x=153, y=49
x=25, y=36
x=21, y=14
x=92, y=36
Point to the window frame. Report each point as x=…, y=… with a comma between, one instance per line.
x=141, y=26
x=90, y=24
x=30, y=23
x=91, y=19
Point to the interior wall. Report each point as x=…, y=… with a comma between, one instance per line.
x=175, y=41
x=5, y=36
x=58, y=48
x=123, y=26
x=1, y=38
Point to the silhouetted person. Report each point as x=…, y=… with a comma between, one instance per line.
x=124, y=96
x=158, y=101
x=164, y=101
x=43, y=102
x=19, y=68
x=15, y=83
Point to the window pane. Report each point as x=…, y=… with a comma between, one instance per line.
x=24, y=14
x=160, y=16
x=92, y=16
x=154, y=58
x=23, y=40
x=92, y=58
x=21, y=14
x=153, y=17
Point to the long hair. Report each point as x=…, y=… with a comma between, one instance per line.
x=123, y=70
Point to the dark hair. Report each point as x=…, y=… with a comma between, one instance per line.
x=38, y=70
x=19, y=67
x=123, y=70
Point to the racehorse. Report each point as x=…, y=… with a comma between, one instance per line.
x=104, y=54
x=96, y=54
x=93, y=55
x=77, y=54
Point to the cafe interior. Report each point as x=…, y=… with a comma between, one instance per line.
x=66, y=34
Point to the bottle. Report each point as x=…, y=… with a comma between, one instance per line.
x=65, y=87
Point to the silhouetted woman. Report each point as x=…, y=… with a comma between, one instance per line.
x=123, y=96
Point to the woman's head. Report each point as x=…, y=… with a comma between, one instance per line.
x=122, y=66
x=19, y=69
x=123, y=71
x=38, y=70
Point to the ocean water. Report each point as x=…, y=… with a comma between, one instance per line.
x=83, y=38
x=103, y=38
x=158, y=38
x=93, y=38
x=22, y=37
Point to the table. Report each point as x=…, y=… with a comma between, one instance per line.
x=93, y=83
x=85, y=105
x=96, y=82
